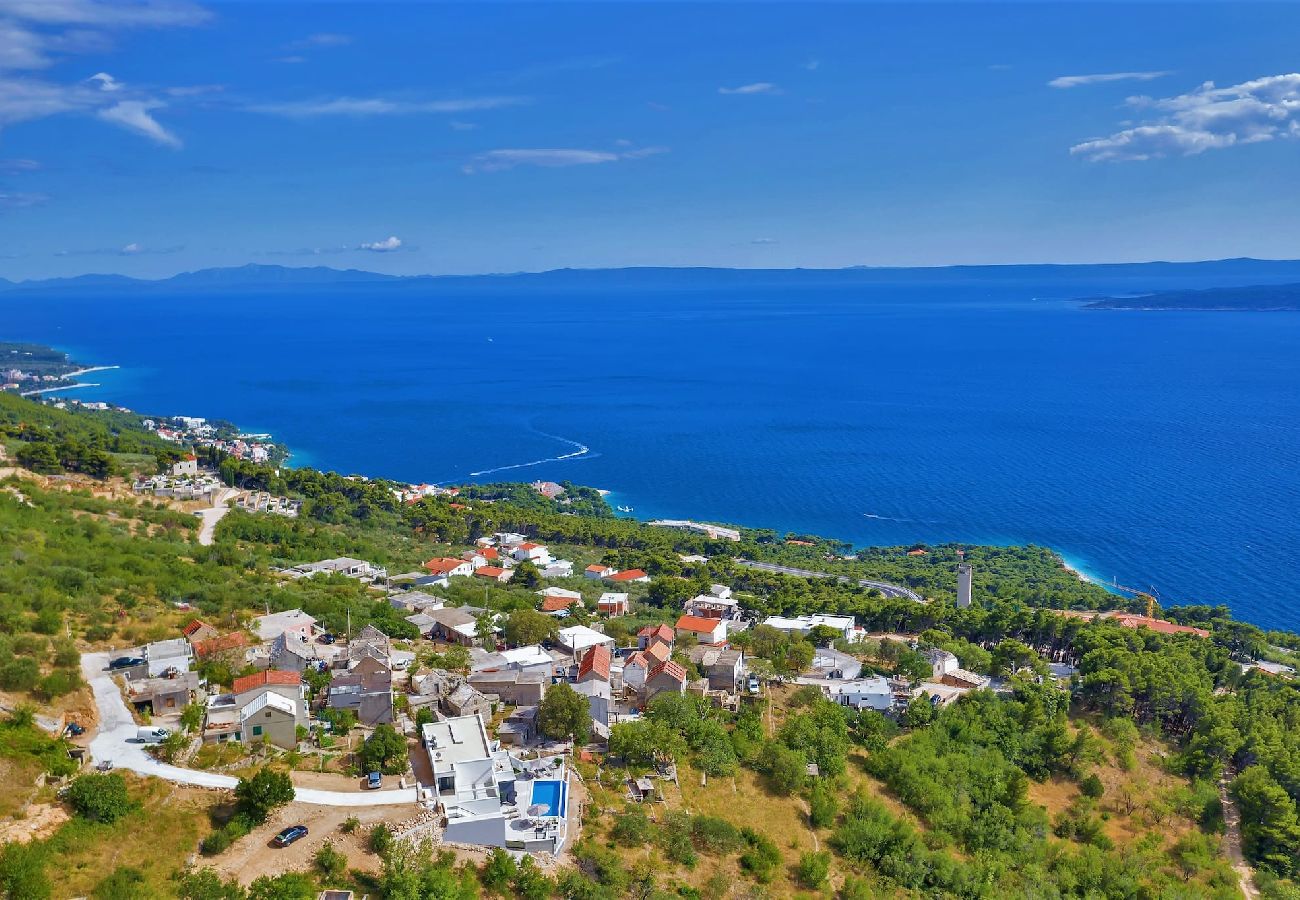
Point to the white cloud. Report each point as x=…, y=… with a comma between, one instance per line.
x=501, y=160
x=387, y=245
x=16, y=166
x=106, y=82
x=112, y=13
x=457, y=125
x=1069, y=81
x=379, y=106
x=321, y=39
x=134, y=115
x=19, y=199
x=813, y=65
x=758, y=87
x=1207, y=118
x=131, y=248
x=290, y=60
x=764, y=241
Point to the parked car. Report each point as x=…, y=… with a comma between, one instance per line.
x=126, y=662
x=74, y=730
x=327, y=638
x=104, y=765
x=151, y=735
x=752, y=685
x=288, y=835
x=374, y=781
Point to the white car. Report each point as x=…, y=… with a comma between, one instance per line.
x=752, y=685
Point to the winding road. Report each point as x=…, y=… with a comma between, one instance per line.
x=115, y=741
x=889, y=590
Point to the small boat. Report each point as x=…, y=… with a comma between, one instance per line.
x=624, y=509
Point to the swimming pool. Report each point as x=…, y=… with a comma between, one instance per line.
x=552, y=795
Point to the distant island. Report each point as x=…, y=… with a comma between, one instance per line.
x=1155, y=275
x=1255, y=298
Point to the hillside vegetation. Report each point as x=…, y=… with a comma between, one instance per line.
x=1101, y=787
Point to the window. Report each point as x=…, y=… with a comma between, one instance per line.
x=257, y=730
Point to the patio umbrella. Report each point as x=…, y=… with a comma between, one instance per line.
x=538, y=809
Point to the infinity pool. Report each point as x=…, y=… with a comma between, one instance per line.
x=551, y=794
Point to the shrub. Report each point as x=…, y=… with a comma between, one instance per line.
x=329, y=862
x=813, y=869
x=350, y=824
x=100, y=797
x=380, y=839
x=631, y=827
x=124, y=883
x=713, y=835
x=1092, y=787
x=675, y=837
x=384, y=751
x=762, y=857
x=823, y=807
x=499, y=870
x=266, y=791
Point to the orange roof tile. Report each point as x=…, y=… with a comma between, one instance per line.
x=597, y=661
x=442, y=565
x=596, y=567
x=263, y=679
x=555, y=604
x=697, y=624
x=194, y=626
x=661, y=631
x=490, y=572
x=629, y=575
x=657, y=652
x=671, y=669
x=232, y=641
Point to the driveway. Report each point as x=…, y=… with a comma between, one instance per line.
x=117, y=732
x=214, y=514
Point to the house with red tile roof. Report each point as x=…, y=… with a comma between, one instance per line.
x=198, y=630
x=667, y=676
x=447, y=567
x=706, y=631
x=534, y=553
x=1132, y=620
x=495, y=573
x=226, y=643
x=628, y=576
x=636, y=668
x=597, y=571
x=266, y=678
x=595, y=664
x=556, y=604
x=651, y=634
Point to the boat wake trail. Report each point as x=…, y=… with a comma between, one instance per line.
x=580, y=450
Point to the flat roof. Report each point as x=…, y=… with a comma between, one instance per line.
x=458, y=739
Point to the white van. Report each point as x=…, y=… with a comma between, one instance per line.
x=151, y=735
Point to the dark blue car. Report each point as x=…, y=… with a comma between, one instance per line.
x=289, y=835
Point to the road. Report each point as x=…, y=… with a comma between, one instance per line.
x=214, y=514
x=889, y=590
x=116, y=733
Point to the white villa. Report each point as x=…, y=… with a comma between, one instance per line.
x=804, y=624
x=490, y=797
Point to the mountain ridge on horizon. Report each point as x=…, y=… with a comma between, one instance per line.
x=278, y=276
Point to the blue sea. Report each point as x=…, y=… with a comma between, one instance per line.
x=1155, y=448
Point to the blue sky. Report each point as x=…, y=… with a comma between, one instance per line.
x=161, y=137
